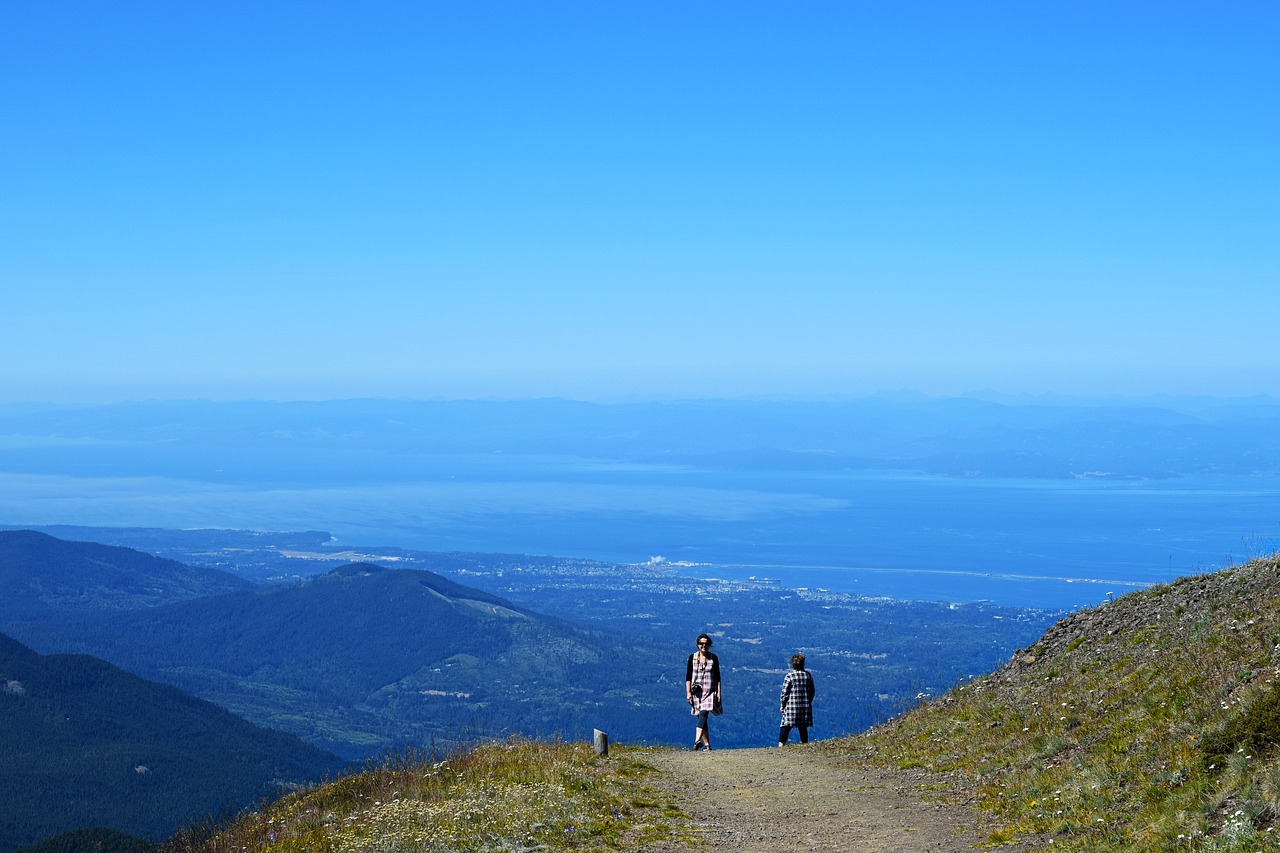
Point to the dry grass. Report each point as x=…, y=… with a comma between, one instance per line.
x=516, y=795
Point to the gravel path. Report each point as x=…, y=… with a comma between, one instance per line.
x=797, y=798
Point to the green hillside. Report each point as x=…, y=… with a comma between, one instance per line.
x=1149, y=723
x=83, y=744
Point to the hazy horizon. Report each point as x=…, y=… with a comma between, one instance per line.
x=1048, y=398
x=1019, y=501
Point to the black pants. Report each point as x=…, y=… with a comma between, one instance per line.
x=784, y=732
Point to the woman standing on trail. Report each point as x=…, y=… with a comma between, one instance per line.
x=797, y=701
x=702, y=689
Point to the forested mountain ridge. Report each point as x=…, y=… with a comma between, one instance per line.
x=83, y=743
x=41, y=574
x=364, y=657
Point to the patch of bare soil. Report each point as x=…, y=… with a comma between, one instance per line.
x=797, y=798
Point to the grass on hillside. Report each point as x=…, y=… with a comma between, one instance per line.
x=515, y=795
x=1149, y=723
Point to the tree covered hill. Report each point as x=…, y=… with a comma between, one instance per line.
x=41, y=574
x=364, y=658
x=84, y=744
x=96, y=839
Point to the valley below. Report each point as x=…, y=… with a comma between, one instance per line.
x=327, y=643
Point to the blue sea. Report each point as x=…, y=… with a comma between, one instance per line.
x=1023, y=542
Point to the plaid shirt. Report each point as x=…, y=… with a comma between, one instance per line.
x=705, y=674
x=797, y=698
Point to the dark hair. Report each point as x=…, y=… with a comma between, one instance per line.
x=706, y=637
x=797, y=661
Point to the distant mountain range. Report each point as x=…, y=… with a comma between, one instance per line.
x=85, y=744
x=389, y=440
x=42, y=574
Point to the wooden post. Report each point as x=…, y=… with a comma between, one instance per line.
x=602, y=743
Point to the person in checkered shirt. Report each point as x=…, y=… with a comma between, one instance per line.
x=797, y=701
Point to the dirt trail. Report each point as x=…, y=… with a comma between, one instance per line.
x=796, y=798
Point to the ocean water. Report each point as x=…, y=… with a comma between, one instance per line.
x=1038, y=543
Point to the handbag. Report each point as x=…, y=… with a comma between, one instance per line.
x=717, y=708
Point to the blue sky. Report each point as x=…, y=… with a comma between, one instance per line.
x=637, y=199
